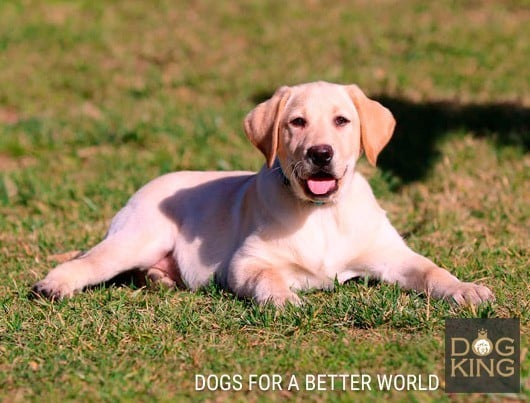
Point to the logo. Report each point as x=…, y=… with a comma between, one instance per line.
x=482, y=345
x=482, y=355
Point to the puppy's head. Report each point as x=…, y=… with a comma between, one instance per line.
x=317, y=131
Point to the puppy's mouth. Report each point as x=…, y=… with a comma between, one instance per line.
x=320, y=185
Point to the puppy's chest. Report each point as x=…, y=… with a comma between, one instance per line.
x=325, y=244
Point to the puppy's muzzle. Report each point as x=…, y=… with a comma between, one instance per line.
x=320, y=155
x=321, y=183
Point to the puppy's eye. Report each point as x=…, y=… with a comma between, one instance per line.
x=298, y=122
x=341, y=121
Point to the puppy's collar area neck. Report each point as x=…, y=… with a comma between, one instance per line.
x=287, y=182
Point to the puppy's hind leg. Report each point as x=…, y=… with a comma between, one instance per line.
x=119, y=252
x=166, y=273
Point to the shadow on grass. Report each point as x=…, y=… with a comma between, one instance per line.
x=413, y=149
x=412, y=152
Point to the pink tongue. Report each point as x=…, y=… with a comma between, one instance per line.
x=320, y=186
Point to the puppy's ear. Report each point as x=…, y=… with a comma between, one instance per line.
x=377, y=123
x=262, y=124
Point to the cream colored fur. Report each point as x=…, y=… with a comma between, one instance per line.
x=265, y=235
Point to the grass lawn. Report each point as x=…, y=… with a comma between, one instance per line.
x=96, y=98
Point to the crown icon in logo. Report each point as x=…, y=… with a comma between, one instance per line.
x=482, y=346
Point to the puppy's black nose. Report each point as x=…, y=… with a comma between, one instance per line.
x=320, y=155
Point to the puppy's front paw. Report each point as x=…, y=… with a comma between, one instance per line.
x=53, y=289
x=280, y=298
x=469, y=293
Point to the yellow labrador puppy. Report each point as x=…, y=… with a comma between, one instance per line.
x=306, y=219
